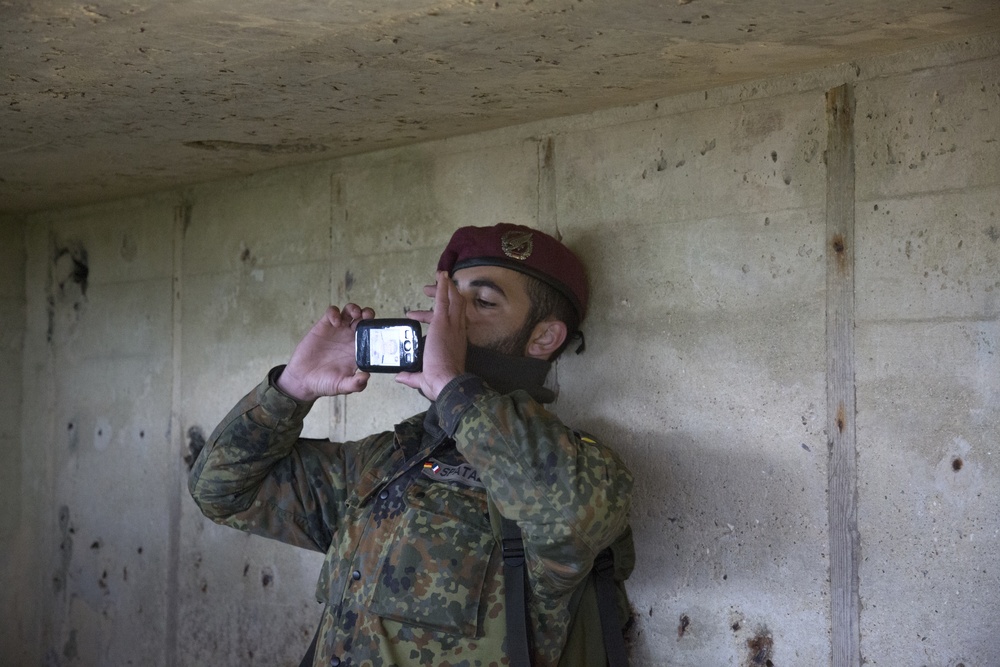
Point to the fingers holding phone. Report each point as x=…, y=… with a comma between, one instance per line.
x=346, y=345
x=446, y=343
x=323, y=363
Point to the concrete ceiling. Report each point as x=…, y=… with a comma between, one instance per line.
x=107, y=98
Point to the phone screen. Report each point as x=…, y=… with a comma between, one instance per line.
x=388, y=346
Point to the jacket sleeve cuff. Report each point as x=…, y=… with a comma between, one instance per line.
x=277, y=403
x=457, y=397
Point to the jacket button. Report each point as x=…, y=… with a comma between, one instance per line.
x=383, y=495
x=335, y=662
x=356, y=575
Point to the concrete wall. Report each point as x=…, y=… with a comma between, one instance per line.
x=703, y=222
x=16, y=526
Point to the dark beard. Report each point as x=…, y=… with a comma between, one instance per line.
x=515, y=344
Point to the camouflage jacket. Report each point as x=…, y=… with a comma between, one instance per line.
x=413, y=575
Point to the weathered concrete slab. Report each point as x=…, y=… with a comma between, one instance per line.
x=928, y=441
x=928, y=273
x=706, y=245
x=114, y=99
x=100, y=343
x=15, y=524
x=930, y=131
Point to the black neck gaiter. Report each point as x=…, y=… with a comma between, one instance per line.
x=506, y=373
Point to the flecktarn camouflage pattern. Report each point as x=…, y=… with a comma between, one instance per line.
x=413, y=575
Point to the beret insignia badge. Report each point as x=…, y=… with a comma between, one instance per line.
x=517, y=244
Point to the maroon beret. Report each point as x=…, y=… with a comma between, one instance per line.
x=522, y=249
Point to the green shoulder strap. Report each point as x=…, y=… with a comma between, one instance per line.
x=595, y=636
x=516, y=594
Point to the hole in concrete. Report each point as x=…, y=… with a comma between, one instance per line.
x=760, y=649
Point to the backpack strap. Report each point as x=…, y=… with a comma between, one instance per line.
x=515, y=593
x=607, y=605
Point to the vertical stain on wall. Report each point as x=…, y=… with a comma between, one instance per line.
x=69, y=275
x=61, y=575
x=682, y=626
x=72, y=437
x=839, y=246
x=841, y=418
x=70, y=267
x=70, y=651
x=246, y=256
x=129, y=249
x=184, y=214
x=548, y=159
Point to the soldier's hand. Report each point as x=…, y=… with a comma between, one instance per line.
x=323, y=363
x=446, y=343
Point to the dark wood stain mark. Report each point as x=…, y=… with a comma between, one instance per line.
x=839, y=247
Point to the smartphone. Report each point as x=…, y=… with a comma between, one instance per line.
x=388, y=345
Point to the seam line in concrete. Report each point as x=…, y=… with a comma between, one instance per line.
x=182, y=219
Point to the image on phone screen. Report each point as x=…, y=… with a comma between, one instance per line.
x=388, y=345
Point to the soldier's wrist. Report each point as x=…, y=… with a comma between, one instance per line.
x=456, y=397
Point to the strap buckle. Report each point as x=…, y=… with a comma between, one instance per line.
x=604, y=562
x=513, y=551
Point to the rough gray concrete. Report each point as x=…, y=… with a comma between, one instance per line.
x=702, y=220
x=115, y=98
x=928, y=323
x=710, y=332
x=16, y=531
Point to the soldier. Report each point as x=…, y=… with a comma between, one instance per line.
x=409, y=519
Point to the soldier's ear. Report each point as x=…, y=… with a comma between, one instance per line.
x=547, y=337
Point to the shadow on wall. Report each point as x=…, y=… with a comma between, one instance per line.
x=731, y=545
